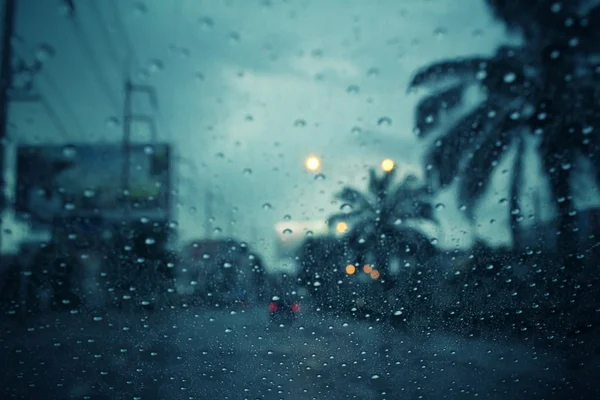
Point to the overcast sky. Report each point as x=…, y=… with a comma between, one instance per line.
x=248, y=88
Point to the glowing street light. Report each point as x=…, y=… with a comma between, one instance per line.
x=367, y=269
x=374, y=274
x=387, y=165
x=350, y=269
x=312, y=163
x=341, y=227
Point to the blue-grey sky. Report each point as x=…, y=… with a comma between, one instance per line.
x=257, y=85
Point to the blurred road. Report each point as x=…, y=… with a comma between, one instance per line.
x=196, y=354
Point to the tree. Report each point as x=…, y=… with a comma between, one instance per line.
x=380, y=219
x=546, y=88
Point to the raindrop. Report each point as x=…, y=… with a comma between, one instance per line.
x=89, y=193
x=355, y=130
x=267, y=206
x=300, y=123
x=69, y=206
x=503, y=200
x=319, y=177
x=112, y=122
x=148, y=150
x=44, y=52
x=463, y=208
x=373, y=72
x=353, y=89
x=434, y=241
x=346, y=207
x=309, y=233
x=287, y=217
x=228, y=330
x=440, y=206
x=510, y=77
x=155, y=65
x=234, y=38
x=440, y=32
x=287, y=231
x=69, y=151
x=206, y=23
x=247, y=172
x=565, y=166
x=396, y=313
x=384, y=121
x=375, y=377
x=227, y=265
x=140, y=8
x=150, y=241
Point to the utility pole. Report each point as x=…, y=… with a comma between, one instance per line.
x=5, y=84
x=129, y=119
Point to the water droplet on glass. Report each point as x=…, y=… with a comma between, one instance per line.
x=112, y=122
x=375, y=377
x=309, y=233
x=373, y=72
x=353, y=89
x=319, y=177
x=440, y=206
x=155, y=65
x=434, y=241
x=355, y=130
x=299, y=123
x=440, y=32
x=44, y=52
x=247, y=172
x=89, y=193
x=206, y=23
x=510, y=77
x=287, y=217
x=227, y=265
x=503, y=200
x=565, y=166
x=228, y=330
x=69, y=151
x=234, y=38
x=463, y=208
x=384, y=121
x=150, y=241
x=267, y=206
x=346, y=207
x=287, y=231
x=140, y=8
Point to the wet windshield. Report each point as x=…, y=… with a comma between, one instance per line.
x=299, y=199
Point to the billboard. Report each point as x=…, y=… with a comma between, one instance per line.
x=88, y=179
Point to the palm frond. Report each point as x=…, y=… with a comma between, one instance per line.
x=465, y=68
x=355, y=198
x=446, y=153
x=430, y=109
x=346, y=217
x=479, y=167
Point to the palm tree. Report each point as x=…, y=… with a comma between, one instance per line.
x=546, y=88
x=381, y=219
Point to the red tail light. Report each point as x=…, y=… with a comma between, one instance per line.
x=295, y=307
x=272, y=307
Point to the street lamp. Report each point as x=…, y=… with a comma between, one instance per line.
x=312, y=163
x=387, y=165
x=341, y=227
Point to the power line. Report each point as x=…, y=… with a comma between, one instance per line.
x=87, y=48
x=131, y=56
x=56, y=96
x=105, y=33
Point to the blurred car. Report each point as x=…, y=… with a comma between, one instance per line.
x=283, y=309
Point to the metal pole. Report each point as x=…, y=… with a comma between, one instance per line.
x=5, y=84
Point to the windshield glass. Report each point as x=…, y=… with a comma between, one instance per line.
x=299, y=199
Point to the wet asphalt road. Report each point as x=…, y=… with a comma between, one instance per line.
x=224, y=354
